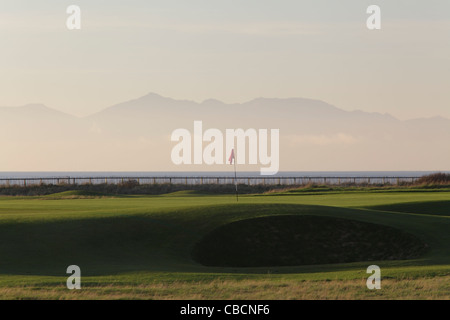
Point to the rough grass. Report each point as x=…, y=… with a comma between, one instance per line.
x=134, y=188
x=76, y=194
x=434, y=179
x=129, y=188
x=424, y=288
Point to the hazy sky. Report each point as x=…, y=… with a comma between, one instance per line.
x=229, y=50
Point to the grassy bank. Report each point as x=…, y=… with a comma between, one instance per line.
x=141, y=246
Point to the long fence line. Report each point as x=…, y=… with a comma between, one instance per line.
x=285, y=181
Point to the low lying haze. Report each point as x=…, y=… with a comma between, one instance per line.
x=136, y=136
x=344, y=97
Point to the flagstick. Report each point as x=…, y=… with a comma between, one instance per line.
x=235, y=179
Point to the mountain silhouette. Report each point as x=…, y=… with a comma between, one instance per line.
x=135, y=135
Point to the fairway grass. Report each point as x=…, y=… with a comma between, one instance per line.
x=139, y=247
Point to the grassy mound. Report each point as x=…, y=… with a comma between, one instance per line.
x=76, y=194
x=185, y=193
x=291, y=240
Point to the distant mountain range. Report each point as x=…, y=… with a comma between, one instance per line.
x=135, y=135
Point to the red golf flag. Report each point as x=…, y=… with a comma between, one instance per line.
x=231, y=157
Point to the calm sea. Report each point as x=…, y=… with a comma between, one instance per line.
x=79, y=174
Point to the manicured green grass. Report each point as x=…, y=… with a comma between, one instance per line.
x=146, y=243
x=436, y=207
